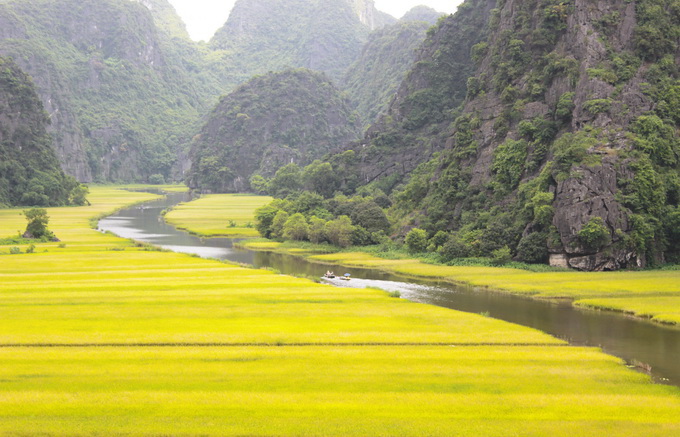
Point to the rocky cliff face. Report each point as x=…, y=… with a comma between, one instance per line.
x=566, y=140
x=273, y=120
x=29, y=170
x=413, y=127
x=119, y=109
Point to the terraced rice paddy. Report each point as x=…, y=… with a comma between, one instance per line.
x=224, y=215
x=102, y=337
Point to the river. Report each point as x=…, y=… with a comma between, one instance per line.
x=645, y=345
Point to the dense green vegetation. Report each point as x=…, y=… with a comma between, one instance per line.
x=373, y=79
x=29, y=170
x=275, y=119
x=263, y=36
x=515, y=206
x=531, y=131
x=124, y=98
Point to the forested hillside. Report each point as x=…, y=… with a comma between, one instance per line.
x=271, y=35
x=385, y=59
x=121, y=104
x=567, y=144
x=541, y=130
x=294, y=116
x=29, y=170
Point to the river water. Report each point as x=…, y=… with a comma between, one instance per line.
x=648, y=346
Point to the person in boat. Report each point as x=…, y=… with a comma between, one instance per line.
x=330, y=274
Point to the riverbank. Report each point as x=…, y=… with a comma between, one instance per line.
x=648, y=294
x=104, y=336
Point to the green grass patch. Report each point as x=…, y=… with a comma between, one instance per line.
x=347, y=391
x=218, y=215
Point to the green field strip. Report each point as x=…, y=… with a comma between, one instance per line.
x=133, y=345
x=211, y=214
x=132, y=342
x=470, y=391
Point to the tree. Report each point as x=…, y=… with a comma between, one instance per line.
x=595, y=234
x=320, y=178
x=78, y=195
x=278, y=223
x=264, y=217
x=296, y=228
x=259, y=184
x=37, y=223
x=286, y=181
x=317, y=230
x=416, y=240
x=370, y=216
x=339, y=231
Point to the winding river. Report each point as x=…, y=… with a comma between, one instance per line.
x=645, y=345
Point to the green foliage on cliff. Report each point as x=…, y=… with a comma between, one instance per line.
x=373, y=79
x=273, y=120
x=114, y=81
x=493, y=186
x=263, y=36
x=29, y=170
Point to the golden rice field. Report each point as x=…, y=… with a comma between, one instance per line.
x=102, y=337
x=223, y=215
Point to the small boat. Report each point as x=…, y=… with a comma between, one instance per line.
x=329, y=275
x=347, y=277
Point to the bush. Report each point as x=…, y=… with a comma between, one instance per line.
x=30, y=248
x=339, y=231
x=317, y=230
x=416, y=240
x=533, y=248
x=37, y=223
x=502, y=256
x=278, y=223
x=264, y=217
x=598, y=106
x=595, y=234
x=157, y=179
x=565, y=107
x=14, y=250
x=454, y=248
x=296, y=228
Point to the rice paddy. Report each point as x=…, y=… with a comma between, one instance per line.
x=102, y=337
x=218, y=215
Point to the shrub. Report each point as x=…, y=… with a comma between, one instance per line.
x=317, y=230
x=157, y=179
x=296, y=228
x=37, y=223
x=30, y=248
x=264, y=217
x=533, y=248
x=454, y=248
x=598, y=106
x=565, y=107
x=595, y=234
x=339, y=231
x=278, y=223
x=416, y=240
x=502, y=256
x=14, y=250
x=508, y=162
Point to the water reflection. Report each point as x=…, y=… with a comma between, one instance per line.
x=654, y=347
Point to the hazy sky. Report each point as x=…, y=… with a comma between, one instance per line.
x=204, y=17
